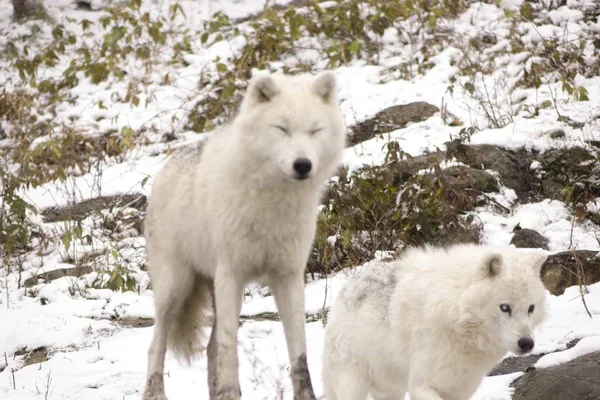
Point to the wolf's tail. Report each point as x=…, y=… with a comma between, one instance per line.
x=186, y=335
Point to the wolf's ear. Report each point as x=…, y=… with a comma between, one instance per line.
x=261, y=89
x=492, y=265
x=324, y=86
x=537, y=260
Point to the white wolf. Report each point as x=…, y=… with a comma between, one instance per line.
x=432, y=323
x=244, y=209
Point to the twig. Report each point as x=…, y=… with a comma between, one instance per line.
x=571, y=236
x=48, y=393
x=493, y=200
x=581, y=279
x=323, y=311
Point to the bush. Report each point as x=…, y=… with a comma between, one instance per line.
x=386, y=208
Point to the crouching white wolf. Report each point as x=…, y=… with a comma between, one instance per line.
x=243, y=209
x=432, y=323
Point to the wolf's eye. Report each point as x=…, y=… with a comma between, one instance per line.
x=505, y=308
x=281, y=128
x=315, y=131
x=531, y=308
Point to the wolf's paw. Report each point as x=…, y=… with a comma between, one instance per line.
x=229, y=393
x=155, y=388
x=154, y=396
x=305, y=395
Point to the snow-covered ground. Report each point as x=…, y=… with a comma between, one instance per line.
x=93, y=357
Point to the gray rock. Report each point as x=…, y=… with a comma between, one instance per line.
x=86, y=208
x=58, y=273
x=522, y=363
x=578, y=379
x=529, y=239
x=570, y=268
x=513, y=168
x=556, y=133
x=390, y=119
x=476, y=178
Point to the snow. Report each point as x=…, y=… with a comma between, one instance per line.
x=550, y=218
x=97, y=358
x=93, y=356
x=585, y=346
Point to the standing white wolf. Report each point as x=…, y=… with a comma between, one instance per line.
x=432, y=323
x=243, y=209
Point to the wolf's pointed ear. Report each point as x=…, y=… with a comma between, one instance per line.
x=262, y=89
x=537, y=260
x=325, y=86
x=492, y=265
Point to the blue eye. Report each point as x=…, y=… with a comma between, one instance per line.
x=505, y=308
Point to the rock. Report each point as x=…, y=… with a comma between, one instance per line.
x=563, y=168
x=577, y=379
x=91, y=5
x=556, y=133
x=529, y=239
x=390, y=119
x=521, y=363
x=58, y=273
x=552, y=189
x=513, y=168
x=572, y=123
x=86, y=208
x=458, y=233
x=475, y=178
x=570, y=268
x=515, y=364
x=483, y=41
x=135, y=322
x=36, y=356
x=564, y=163
x=566, y=174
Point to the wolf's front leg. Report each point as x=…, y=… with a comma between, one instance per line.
x=228, y=303
x=289, y=296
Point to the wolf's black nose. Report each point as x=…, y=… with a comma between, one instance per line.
x=525, y=344
x=302, y=166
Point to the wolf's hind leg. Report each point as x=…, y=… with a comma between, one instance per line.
x=169, y=297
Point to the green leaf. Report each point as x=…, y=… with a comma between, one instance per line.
x=527, y=11
x=78, y=231
x=66, y=240
x=204, y=38
x=85, y=24
x=222, y=68
x=354, y=47
x=583, y=94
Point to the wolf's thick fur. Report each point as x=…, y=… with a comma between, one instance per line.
x=242, y=208
x=432, y=323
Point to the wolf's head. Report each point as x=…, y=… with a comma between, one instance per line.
x=293, y=125
x=506, y=299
